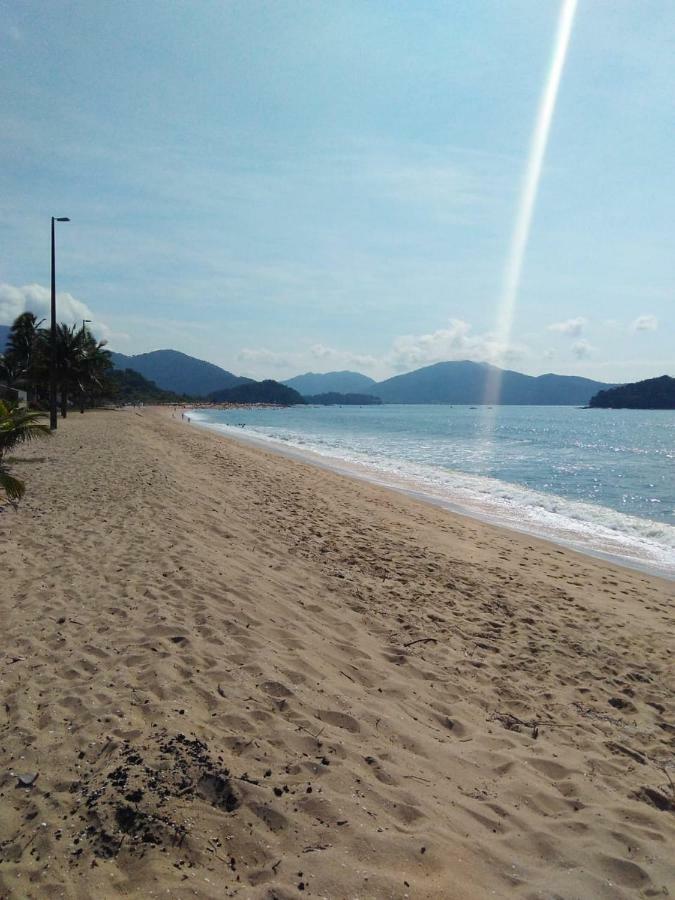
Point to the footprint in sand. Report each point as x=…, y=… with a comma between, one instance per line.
x=457, y=728
x=342, y=720
x=406, y=813
x=274, y=820
x=276, y=689
x=550, y=769
x=380, y=773
x=624, y=872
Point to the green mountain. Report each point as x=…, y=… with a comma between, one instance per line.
x=654, y=393
x=331, y=382
x=449, y=382
x=127, y=386
x=178, y=372
x=258, y=392
x=471, y=382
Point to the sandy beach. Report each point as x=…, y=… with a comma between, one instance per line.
x=226, y=673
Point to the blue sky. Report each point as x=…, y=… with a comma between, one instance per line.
x=288, y=186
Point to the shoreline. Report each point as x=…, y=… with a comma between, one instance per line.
x=398, y=484
x=234, y=674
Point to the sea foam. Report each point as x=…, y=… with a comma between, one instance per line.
x=588, y=527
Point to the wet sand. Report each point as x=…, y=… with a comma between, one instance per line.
x=237, y=675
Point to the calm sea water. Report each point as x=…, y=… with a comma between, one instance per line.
x=602, y=481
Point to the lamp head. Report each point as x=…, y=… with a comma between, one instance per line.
x=63, y=219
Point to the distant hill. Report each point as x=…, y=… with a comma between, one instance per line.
x=330, y=382
x=469, y=382
x=178, y=372
x=334, y=399
x=127, y=386
x=448, y=382
x=654, y=393
x=4, y=334
x=258, y=392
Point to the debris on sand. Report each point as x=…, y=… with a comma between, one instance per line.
x=132, y=796
x=27, y=780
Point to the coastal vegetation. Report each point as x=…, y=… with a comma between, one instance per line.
x=455, y=382
x=343, y=382
x=332, y=398
x=85, y=375
x=267, y=391
x=88, y=373
x=179, y=373
x=82, y=363
x=129, y=386
x=653, y=393
x=17, y=426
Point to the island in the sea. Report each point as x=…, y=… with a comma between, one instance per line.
x=333, y=398
x=654, y=393
x=267, y=391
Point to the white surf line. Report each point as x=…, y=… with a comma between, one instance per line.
x=519, y=524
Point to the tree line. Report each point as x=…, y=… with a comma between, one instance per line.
x=82, y=364
x=82, y=369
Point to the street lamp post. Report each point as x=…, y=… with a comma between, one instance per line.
x=85, y=322
x=52, y=361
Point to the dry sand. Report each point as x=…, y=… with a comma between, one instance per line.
x=241, y=676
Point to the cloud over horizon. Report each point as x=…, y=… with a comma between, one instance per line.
x=455, y=342
x=401, y=353
x=645, y=323
x=582, y=349
x=37, y=299
x=295, y=362
x=570, y=327
x=407, y=352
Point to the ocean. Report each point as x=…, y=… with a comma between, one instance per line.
x=599, y=481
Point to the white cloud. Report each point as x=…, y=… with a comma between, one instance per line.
x=265, y=358
x=570, y=327
x=407, y=352
x=451, y=343
x=582, y=349
x=645, y=323
x=318, y=356
x=342, y=357
x=37, y=299
x=11, y=303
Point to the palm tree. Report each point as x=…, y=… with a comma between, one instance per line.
x=21, y=339
x=11, y=371
x=17, y=426
x=81, y=362
x=94, y=363
x=18, y=359
x=70, y=360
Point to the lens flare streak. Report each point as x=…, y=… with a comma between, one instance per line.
x=528, y=193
